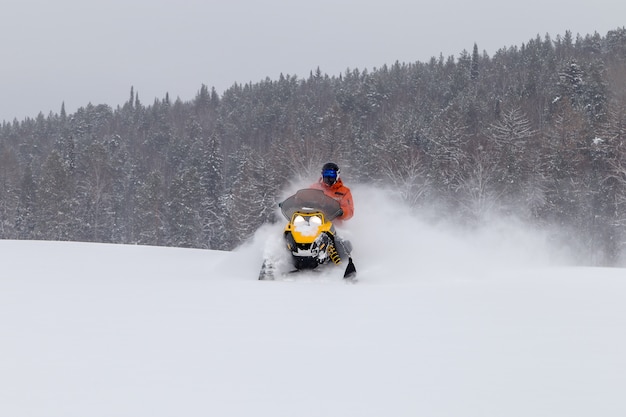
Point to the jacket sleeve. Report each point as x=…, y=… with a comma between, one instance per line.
x=347, y=205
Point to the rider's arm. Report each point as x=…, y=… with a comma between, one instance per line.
x=347, y=204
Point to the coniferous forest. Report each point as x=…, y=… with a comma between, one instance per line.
x=537, y=131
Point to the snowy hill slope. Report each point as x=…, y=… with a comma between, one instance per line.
x=488, y=329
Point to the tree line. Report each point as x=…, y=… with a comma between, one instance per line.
x=535, y=131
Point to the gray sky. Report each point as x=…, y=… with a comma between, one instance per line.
x=82, y=51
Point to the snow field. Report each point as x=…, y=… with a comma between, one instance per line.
x=440, y=324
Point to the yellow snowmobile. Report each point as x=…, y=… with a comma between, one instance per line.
x=310, y=235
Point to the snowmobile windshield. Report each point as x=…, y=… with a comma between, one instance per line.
x=310, y=200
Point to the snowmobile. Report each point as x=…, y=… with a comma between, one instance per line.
x=310, y=237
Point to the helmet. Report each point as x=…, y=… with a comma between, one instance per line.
x=330, y=173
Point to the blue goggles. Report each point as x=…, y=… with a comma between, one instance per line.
x=329, y=173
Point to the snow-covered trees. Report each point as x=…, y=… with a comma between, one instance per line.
x=536, y=130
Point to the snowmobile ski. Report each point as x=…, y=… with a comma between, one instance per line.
x=267, y=271
x=350, y=273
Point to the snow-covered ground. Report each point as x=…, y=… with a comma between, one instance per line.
x=492, y=323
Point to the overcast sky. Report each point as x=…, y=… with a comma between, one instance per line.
x=82, y=51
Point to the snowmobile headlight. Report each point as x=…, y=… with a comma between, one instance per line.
x=315, y=221
x=298, y=220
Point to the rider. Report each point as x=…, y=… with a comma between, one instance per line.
x=332, y=186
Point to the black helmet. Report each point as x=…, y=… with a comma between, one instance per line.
x=330, y=173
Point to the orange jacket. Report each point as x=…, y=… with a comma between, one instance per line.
x=339, y=192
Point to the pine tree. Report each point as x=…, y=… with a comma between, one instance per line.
x=474, y=72
x=184, y=210
x=25, y=214
x=213, y=188
x=56, y=215
x=513, y=145
x=9, y=181
x=149, y=217
x=95, y=191
x=246, y=200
